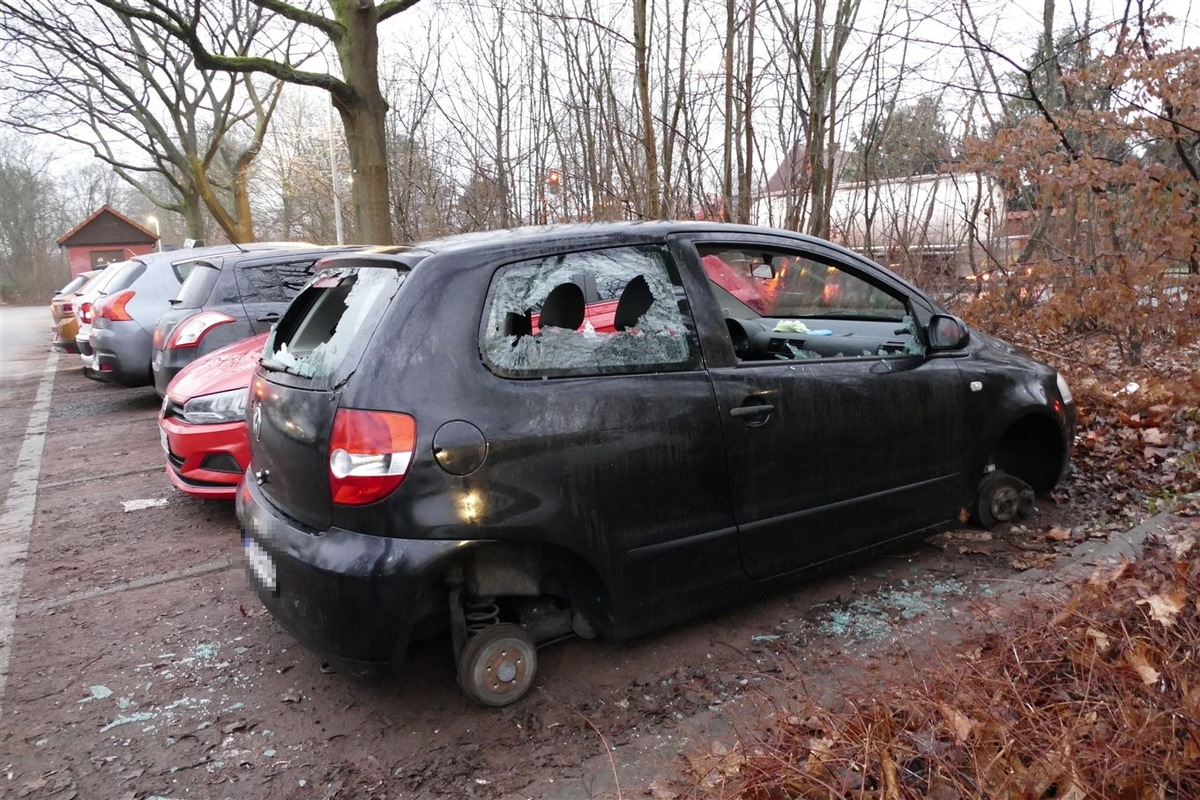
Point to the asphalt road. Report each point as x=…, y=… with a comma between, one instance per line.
x=24, y=331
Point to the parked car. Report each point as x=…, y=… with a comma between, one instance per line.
x=423, y=459
x=226, y=298
x=125, y=315
x=203, y=421
x=85, y=311
x=62, y=312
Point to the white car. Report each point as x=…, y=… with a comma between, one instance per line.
x=84, y=306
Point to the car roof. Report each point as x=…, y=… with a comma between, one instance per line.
x=285, y=251
x=585, y=232
x=196, y=253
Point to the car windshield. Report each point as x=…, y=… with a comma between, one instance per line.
x=315, y=333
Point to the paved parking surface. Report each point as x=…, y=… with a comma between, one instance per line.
x=137, y=662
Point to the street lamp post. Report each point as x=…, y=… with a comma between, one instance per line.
x=153, y=220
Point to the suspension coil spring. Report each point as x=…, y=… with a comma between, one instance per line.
x=480, y=612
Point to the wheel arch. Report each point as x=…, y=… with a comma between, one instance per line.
x=510, y=570
x=533, y=569
x=1031, y=447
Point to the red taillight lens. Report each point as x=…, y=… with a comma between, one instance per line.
x=113, y=308
x=369, y=454
x=189, y=332
x=67, y=308
x=85, y=313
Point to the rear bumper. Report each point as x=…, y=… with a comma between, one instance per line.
x=349, y=596
x=64, y=335
x=122, y=356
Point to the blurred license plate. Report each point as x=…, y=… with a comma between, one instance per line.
x=261, y=564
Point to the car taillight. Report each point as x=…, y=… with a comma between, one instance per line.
x=67, y=308
x=369, y=454
x=113, y=308
x=189, y=332
x=85, y=313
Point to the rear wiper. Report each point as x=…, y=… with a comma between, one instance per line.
x=297, y=368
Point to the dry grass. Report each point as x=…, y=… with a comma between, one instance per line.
x=1097, y=697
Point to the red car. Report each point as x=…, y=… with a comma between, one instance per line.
x=203, y=423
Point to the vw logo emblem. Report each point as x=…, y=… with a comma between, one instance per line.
x=256, y=422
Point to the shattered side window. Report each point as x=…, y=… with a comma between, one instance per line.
x=316, y=331
x=609, y=311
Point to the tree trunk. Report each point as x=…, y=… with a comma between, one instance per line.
x=818, y=217
x=649, y=144
x=192, y=211
x=727, y=177
x=746, y=178
x=363, y=110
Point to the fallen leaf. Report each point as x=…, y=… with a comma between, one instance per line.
x=1165, y=607
x=962, y=725
x=1154, y=436
x=1140, y=662
x=820, y=752
x=1058, y=534
x=291, y=696
x=1033, y=561
x=1099, y=637
x=970, y=536
x=1156, y=453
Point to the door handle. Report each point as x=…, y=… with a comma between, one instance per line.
x=751, y=411
x=272, y=317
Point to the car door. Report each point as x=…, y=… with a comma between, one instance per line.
x=840, y=433
x=609, y=434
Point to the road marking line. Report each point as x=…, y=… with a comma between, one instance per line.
x=140, y=583
x=16, y=521
x=101, y=478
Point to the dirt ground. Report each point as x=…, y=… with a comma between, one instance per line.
x=142, y=665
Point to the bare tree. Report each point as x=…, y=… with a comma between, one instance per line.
x=136, y=99
x=31, y=219
x=351, y=27
x=293, y=188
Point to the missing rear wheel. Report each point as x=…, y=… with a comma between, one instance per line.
x=497, y=665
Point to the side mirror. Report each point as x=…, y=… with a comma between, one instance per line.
x=947, y=333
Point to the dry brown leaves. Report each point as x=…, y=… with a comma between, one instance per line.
x=1095, y=698
x=1136, y=448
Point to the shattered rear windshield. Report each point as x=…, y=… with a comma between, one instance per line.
x=594, y=312
x=315, y=333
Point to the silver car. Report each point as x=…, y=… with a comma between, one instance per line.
x=122, y=331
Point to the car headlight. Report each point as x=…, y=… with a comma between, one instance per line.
x=211, y=408
x=1063, y=390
